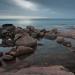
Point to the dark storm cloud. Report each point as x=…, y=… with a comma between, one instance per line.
x=47, y=8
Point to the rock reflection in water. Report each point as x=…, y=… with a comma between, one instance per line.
x=17, y=64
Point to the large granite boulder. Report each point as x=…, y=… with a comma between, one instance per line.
x=26, y=41
x=21, y=50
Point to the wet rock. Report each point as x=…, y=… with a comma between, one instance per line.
x=8, y=42
x=67, y=44
x=50, y=36
x=26, y=41
x=43, y=30
x=41, y=34
x=55, y=30
x=19, y=30
x=9, y=27
x=17, y=36
x=24, y=50
x=8, y=58
x=60, y=39
x=31, y=28
x=35, y=35
x=1, y=54
x=21, y=50
x=50, y=70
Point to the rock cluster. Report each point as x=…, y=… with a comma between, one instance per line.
x=19, y=39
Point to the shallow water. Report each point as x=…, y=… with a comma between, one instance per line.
x=50, y=53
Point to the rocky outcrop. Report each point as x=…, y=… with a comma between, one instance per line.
x=51, y=70
x=26, y=41
x=21, y=50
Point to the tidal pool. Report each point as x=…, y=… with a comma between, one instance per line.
x=51, y=53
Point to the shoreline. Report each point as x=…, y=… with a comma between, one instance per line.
x=26, y=39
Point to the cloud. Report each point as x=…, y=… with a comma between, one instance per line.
x=26, y=5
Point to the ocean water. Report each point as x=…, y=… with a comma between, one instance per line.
x=40, y=23
x=50, y=53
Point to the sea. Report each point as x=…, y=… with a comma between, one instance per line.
x=50, y=53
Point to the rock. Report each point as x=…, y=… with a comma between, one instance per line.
x=7, y=34
x=26, y=41
x=60, y=39
x=24, y=50
x=31, y=28
x=8, y=42
x=55, y=30
x=50, y=36
x=50, y=70
x=9, y=27
x=1, y=54
x=4, y=33
x=21, y=50
x=43, y=30
x=34, y=35
x=67, y=44
x=19, y=30
x=17, y=36
x=7, y=58
x=41, y=34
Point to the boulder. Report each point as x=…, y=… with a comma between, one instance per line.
x=9, y=27
x=1, y=54
x=50, y=36
x=21, y=50
x=26, y=41
x=17, y=36
x=67, y=44
x=8, y=58
x=55, y=30
x=24, y=50
x=60, y=39
x=34, y=35
x=41, y=34
x=19, y=30
x=8, y=42
x=31, y=28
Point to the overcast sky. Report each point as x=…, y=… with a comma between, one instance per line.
x=38, y=8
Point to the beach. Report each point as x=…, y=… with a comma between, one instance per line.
x=49, y=51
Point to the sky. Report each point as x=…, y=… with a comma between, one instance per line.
x=37, y=8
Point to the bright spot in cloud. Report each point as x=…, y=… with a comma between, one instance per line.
x=26, y=4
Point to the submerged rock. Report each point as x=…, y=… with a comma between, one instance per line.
x=67, y=44
x=60, y=39
x=50, y=36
